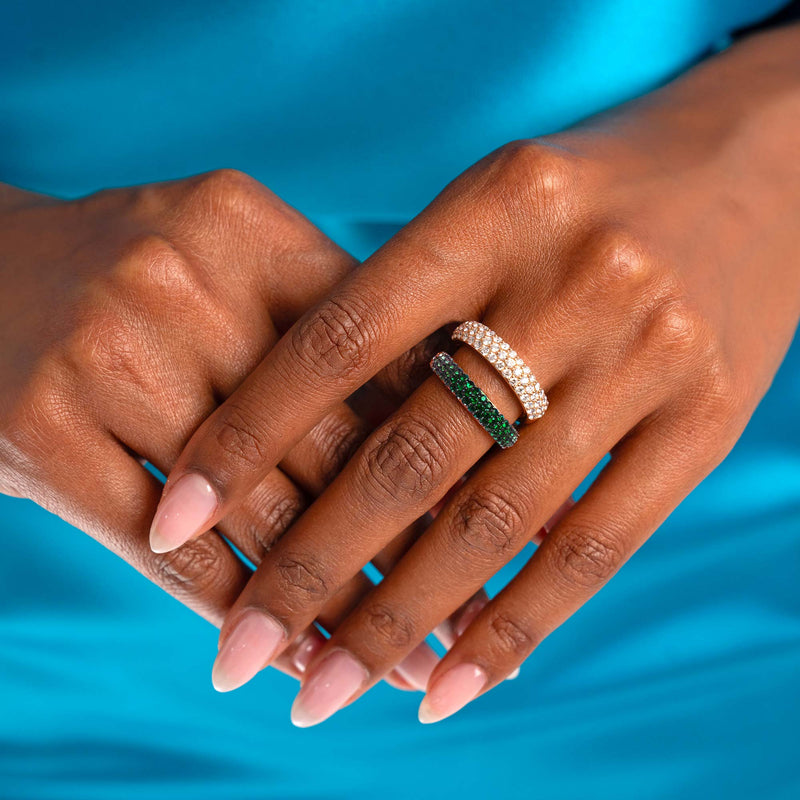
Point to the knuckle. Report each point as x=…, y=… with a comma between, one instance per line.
x=585, y=557
x=619, y=259
x=263, y=521
x=225, y=187
x=304, y=575
x=334, y=340
x=390, y=625
x=335, y=444
x=239, y=436
x=487, y=522
x=276, y=519
x=405, y=459
x=150, y=262
x=511, y=635
x=410, y=370
x=227, y=200
x=675, y=329
x=40, y=415
x=532, y=175
x=192, y=567
x=109, y=346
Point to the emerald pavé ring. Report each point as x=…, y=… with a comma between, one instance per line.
x=474, y=400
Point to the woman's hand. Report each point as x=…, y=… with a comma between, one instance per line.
x=644, y=265
x=126, y=317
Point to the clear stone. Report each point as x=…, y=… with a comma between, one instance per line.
x=518, y=371
x=492, y=357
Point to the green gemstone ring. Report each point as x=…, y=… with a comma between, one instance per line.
x=474, y=400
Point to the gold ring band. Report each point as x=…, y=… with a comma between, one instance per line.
x=507, y=362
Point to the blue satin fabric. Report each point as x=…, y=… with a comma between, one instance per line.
x=678, y=681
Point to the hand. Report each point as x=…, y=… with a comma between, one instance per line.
x=126, y=317
x=644, y=265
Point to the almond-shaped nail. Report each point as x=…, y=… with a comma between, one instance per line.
x=248, y=648
x=324, y=692
x=417, y=666
x=183, y=512
x=304, y=653
x=452, y=692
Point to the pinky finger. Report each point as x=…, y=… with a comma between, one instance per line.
x=630, y=498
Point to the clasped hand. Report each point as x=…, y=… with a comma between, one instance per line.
x=205, y=327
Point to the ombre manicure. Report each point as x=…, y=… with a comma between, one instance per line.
x=183, y=512
x=331, y=685
x=248, y=648
x=417, y=666
x=452, y=692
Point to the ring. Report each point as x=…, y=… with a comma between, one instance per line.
x=474, y=400
x=507, y=362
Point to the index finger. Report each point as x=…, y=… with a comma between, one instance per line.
x=397, y=298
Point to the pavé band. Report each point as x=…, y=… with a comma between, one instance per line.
x=474, y=400
x=506, y=361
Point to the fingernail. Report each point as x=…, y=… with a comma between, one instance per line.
x=183, y=512
x=397, y=682
x=249, y=647
x=445, y=634
x=452, y=692
x=333, y=683
x=306, y=651
x=417, y=666
x=470, y=612
x=513, y=675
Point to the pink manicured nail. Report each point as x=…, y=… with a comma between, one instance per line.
x=397, y=682
x=417, y=666
x=333, y=683
x=445, y=634
x=306, y=650
x=452, y=692
x=470, y=612
x=247, y=650
x=182, y=513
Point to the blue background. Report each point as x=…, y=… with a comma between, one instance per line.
x=678, y=680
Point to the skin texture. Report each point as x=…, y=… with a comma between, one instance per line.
x=126, y=317
x=644, y=264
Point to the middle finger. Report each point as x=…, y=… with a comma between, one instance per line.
x=402, y=470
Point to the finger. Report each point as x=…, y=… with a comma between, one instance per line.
x=268, y=511
x=115, y=510
x=396, y=299
x=403, y=469
x=449, y=630
x=319, y=457
x=645, y=479
x=489, y=521
x=271, y=507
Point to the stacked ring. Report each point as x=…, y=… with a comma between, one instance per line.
x=506, y=361
x=474, y=400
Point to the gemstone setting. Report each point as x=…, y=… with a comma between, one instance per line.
x=474, y=400
x=507, y=362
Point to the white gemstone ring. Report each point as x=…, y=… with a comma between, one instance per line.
x=500, y=355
